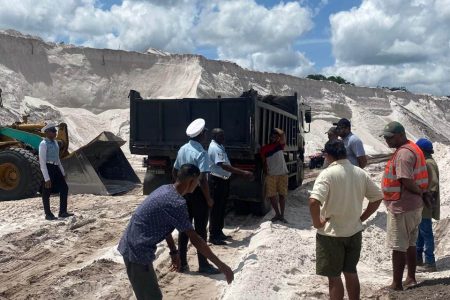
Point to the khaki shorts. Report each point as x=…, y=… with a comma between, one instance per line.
x=276, y=185
x=403, y=229
x=335, y=255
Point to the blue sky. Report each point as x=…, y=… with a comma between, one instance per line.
x=368, y=42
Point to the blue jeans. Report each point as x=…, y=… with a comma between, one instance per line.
x=425, y=241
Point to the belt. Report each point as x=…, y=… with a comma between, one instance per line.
x=220, y=176
x=53, y=163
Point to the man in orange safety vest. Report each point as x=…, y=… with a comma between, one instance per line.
x=404, y=180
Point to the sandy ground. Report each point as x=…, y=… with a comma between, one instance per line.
x=76, y=258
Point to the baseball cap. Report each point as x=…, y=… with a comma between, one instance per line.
x=343, y=123
x=425, y=144
x=392, y=128
x=49, y=127
x=196, y=127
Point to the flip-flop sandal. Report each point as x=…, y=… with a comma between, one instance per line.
x=389, y=289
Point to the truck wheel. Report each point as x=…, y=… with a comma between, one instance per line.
x=263, y=207
x=300, y=173
x=20, y=174
x=296, y=181
x=154, y=181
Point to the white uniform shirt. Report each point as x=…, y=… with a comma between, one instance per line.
x=43, y=159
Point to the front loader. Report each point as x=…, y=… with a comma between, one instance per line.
x=100, y=167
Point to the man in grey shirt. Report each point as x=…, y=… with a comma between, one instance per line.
x=354, y=146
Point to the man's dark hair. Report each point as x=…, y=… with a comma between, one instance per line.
x=187, y=171
x=215, y=132
x=336, y=149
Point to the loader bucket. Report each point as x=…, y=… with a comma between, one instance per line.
x=100, y=168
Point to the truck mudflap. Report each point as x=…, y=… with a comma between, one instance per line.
x=100, y=168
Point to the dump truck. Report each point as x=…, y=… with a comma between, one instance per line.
x=100, y=167
x=157, y=130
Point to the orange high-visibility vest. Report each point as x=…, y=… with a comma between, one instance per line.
x=391, y=185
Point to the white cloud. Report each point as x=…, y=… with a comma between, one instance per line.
x=255, y=36
x=240, y=30
x=394, y=43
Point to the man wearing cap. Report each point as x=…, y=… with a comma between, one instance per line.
x=221, y=170
x=53, y=173
x=425, y=240
x=200, y=200
x=353, y=144
x=276, y=172
x=404, y=180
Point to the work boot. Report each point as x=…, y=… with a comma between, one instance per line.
x=426, y=268
x=184, y=268
x=217, y=241
x=65, y=215
x=276, y=218
x=50, y=217
x=223, y=236
x=209, y=270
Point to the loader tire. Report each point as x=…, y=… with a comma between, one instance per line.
x=20, y=174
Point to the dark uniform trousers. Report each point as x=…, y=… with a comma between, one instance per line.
x=219, y=190
x=198, y=211
x=59, y=185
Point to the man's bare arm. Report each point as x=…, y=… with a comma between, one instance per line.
x=203, y=248
x=371, y=208
x=234, y=170
x=411, y=186
x=362, y=161
x=314, y=209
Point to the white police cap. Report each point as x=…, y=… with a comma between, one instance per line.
x=195, y=128
x=48, y=126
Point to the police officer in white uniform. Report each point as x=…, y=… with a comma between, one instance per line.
x=199, y=201
x=53, y=173
x=221, y=170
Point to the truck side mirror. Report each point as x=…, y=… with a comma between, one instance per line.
x=308, y=117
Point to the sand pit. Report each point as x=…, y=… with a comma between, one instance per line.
x=76, y=258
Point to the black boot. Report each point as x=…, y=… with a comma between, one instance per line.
x=65, y=215
x=50, y=217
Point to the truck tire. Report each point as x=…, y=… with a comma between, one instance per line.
x=20, y=174
x=300, y=173
x=154, y=181
x=296, y=181
x=262, y=207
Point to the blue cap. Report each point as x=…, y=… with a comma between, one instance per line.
x=425, y=145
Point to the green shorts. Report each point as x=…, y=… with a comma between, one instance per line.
x=335, y=255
